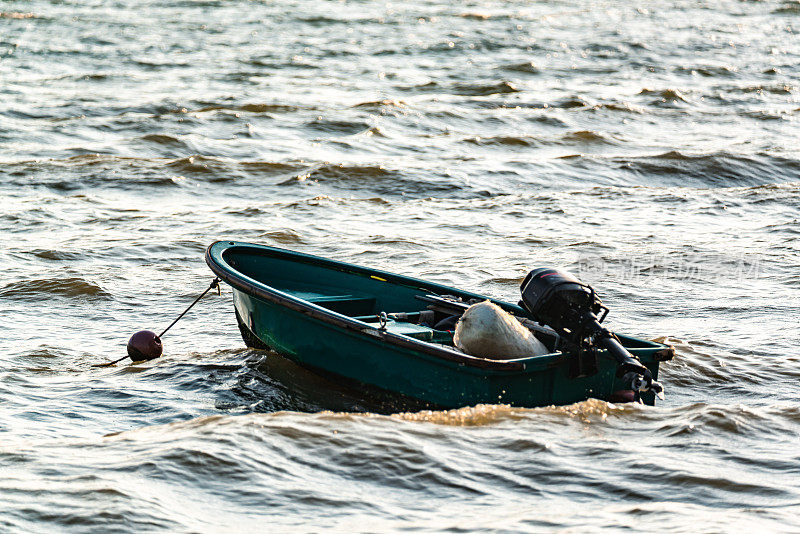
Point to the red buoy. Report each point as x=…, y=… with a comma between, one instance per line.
x=144, y=345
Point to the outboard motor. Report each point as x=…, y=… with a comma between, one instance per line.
x=571, y=308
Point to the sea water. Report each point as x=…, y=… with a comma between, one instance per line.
x=651, y=148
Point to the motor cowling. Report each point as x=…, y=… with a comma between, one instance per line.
x=561, y=301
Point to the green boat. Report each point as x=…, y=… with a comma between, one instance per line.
x=372, y=329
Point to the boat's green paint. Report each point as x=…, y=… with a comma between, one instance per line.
x=303, y=307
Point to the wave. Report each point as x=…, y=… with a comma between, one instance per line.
x=624, y=107
x=674, y=168
x=58, y=255
x=283, y=237
x=78, y=173
x=504, y=140
x=92, y=170
x=586, y=137
x=250, y=108
x=528, y=67
x=472, y=89
x=374, y=178
x=571, y=102
x=167, y=144
x=338, y=127
x=575, y=138
x=465, y=89
x=784, y=89
x=380, y=105
x=708, y=71
x=62, y=287
x=260, y=464
x=787, y=8
x=665, y=97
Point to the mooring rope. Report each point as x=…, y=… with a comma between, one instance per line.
x=214, y=285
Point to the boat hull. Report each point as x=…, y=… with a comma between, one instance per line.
x=366, y=354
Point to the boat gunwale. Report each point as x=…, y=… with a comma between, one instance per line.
x=238, y=280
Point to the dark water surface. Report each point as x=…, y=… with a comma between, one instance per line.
x=650, y=146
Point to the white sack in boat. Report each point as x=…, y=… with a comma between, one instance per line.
x=486, y=331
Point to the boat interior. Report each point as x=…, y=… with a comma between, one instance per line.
x=433, y=319
x=400, y=305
